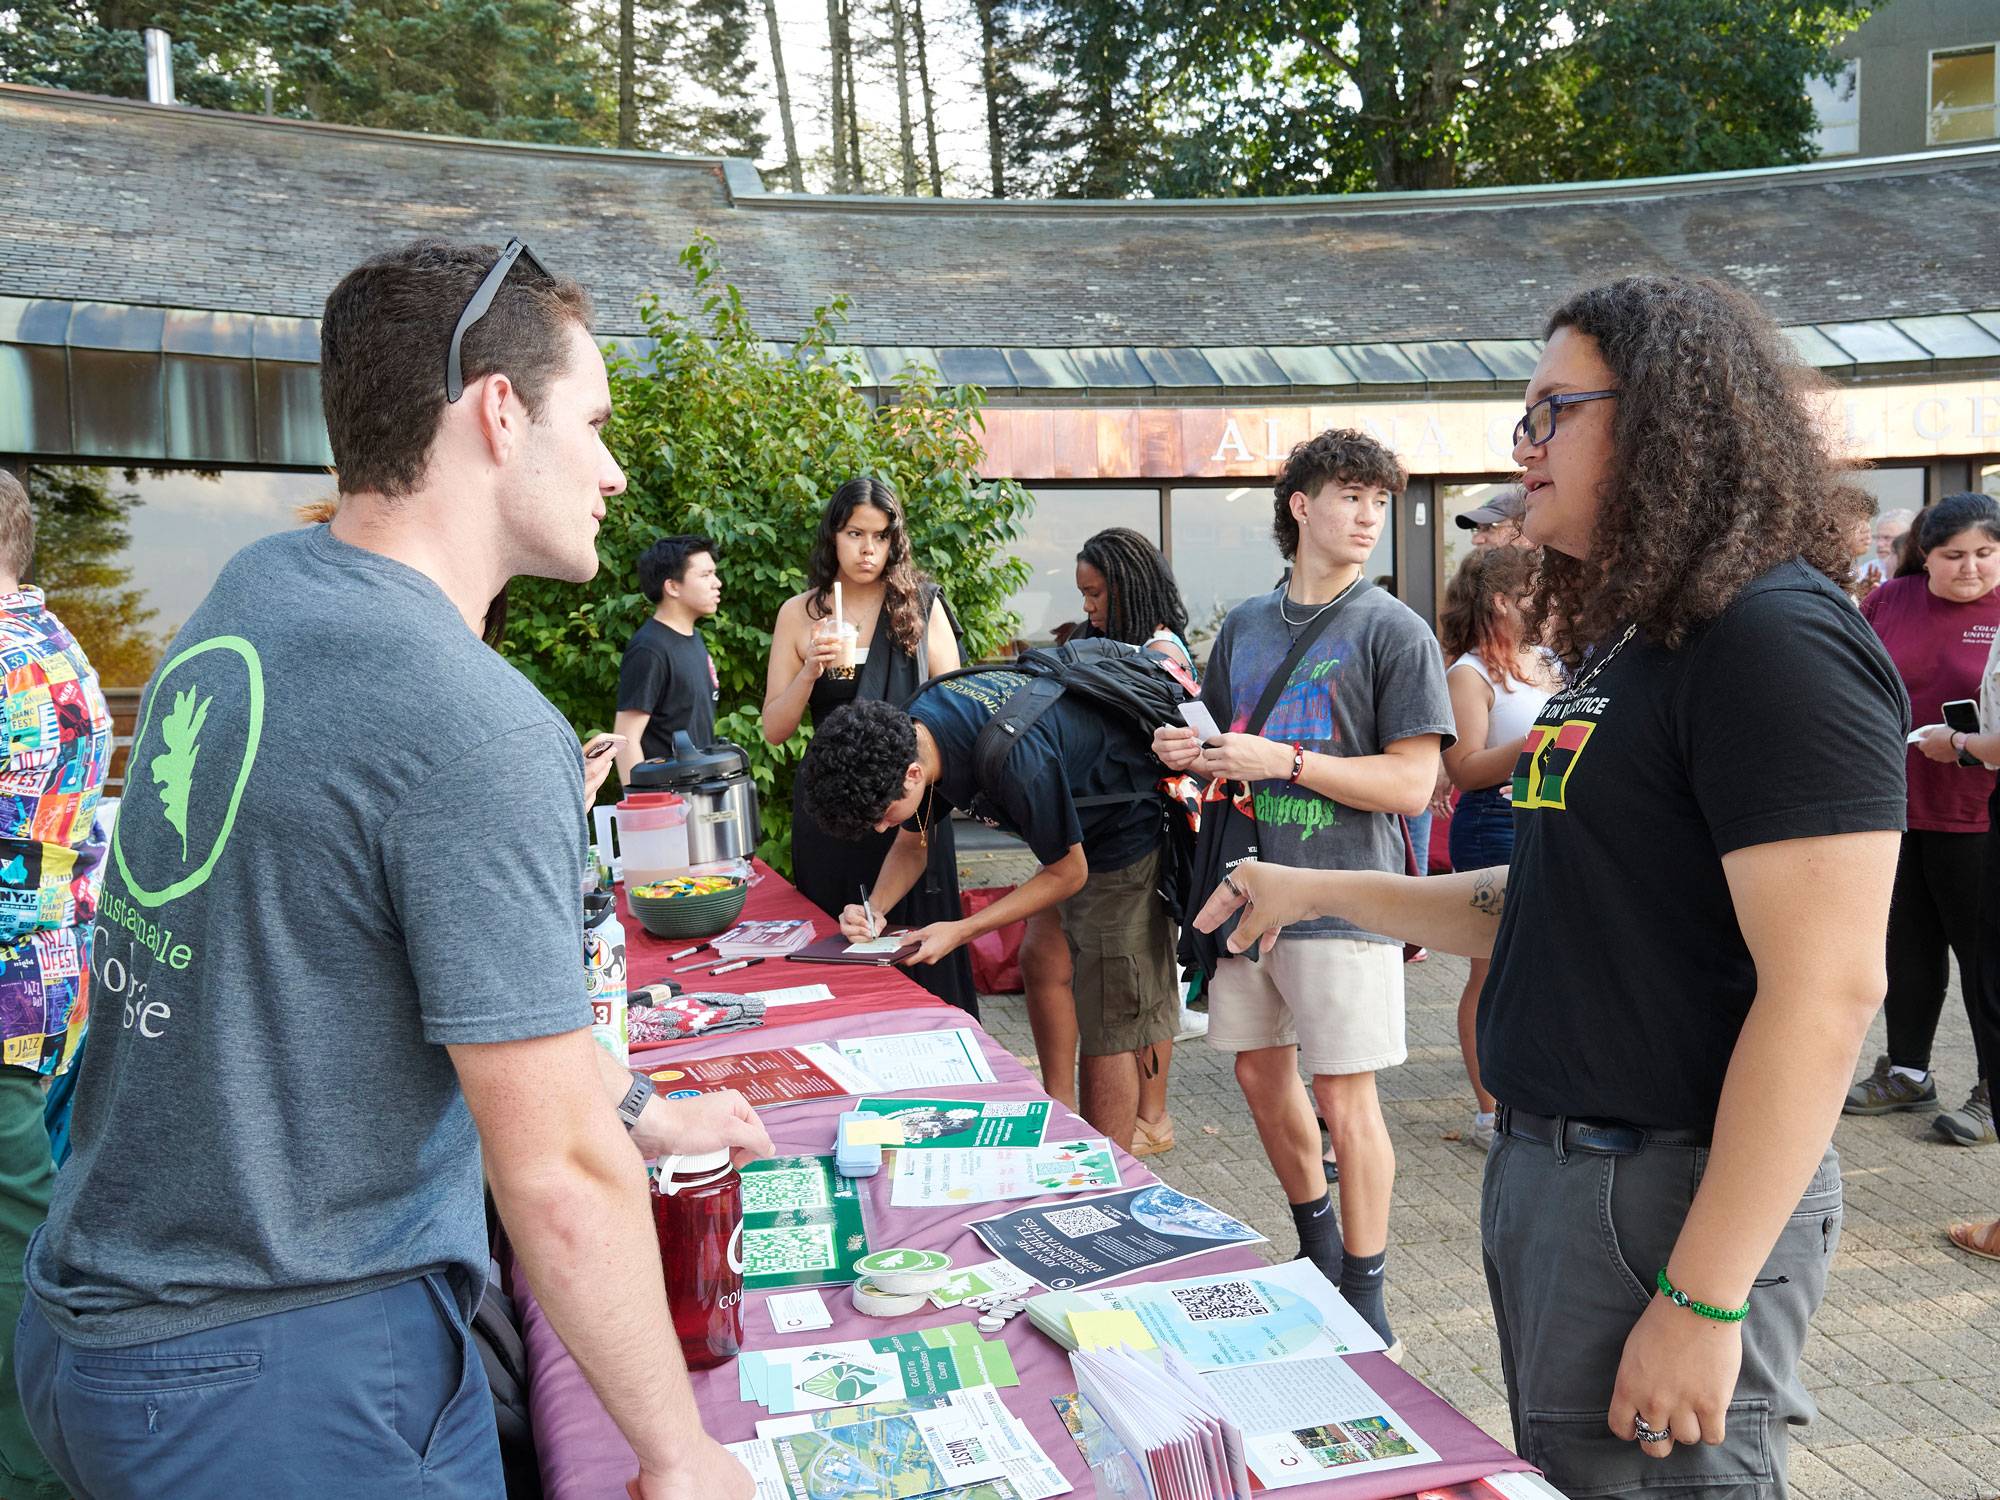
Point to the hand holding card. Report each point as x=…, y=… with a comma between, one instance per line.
x=1197, y=717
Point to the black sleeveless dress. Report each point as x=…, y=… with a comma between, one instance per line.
x=832, y=873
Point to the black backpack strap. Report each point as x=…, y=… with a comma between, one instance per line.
x=1014, y=718
x=1275, y=688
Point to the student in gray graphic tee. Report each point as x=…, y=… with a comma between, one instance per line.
x=294, y=923
x=1374, y=676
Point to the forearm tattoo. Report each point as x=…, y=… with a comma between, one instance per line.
x=1489, y=892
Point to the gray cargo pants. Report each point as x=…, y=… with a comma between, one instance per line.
x=1573, y=1234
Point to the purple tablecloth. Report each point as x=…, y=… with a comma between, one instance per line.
x=583, y=1457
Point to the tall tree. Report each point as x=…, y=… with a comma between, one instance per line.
x=628, y=74
x=795, y=176
x=906, y=133
x=1433, y=93
x=993, y=76
x=836, y=46
x=853, y=95
x=930, y=101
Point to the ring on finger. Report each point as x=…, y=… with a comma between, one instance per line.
x=1644, y=1434
x=1229, y=879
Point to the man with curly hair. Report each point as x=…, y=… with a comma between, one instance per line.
x=1352, y=741
x=1689, y=945
x=1079, y=790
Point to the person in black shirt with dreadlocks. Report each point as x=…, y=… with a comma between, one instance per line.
x=1129, y=595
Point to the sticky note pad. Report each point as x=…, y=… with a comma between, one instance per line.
x=873, y=1132
x=1108, y=1329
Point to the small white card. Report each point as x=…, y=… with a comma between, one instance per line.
x=798, y=994
x=888, y=943
x=798, y=1312
x=1200, y=720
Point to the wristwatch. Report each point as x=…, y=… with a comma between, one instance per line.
x=1965, y=757
x=634, y=1103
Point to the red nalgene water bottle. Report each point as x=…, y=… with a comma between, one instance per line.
x=698, y=1211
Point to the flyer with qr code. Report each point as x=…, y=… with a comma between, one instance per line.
x=801, y=1223
x=1089, y=1240
x=1287, y=1311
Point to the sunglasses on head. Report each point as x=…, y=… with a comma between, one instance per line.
x=482, y=300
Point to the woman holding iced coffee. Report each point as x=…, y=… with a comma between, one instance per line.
x=868, y=625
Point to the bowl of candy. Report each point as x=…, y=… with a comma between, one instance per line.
x=688, y=905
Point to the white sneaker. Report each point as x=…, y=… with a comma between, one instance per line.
x=1193, y=1024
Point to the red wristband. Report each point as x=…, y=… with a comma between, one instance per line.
x=1298, y=763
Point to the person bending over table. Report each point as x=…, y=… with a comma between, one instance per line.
x=339, y=970
x=872, y=767
x=1688, y=947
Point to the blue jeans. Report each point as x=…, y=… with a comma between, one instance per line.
x=1420, y=839
x=1482, y=830
x=377, y=1395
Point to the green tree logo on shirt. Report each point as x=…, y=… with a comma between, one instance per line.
x=197, y=741
x=173, y=767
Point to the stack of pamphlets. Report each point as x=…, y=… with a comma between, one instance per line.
x=962, y=1443
x=1198, y=1436
x=1185, y=1447
x=772, y=939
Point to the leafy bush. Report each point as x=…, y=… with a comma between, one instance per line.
x=727, y=436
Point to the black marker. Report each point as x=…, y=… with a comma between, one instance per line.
x=730, y=968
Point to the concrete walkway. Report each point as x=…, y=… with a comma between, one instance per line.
x=1905, y=1355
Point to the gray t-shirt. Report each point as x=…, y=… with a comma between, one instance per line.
x=1374, y=676
x=351, y=833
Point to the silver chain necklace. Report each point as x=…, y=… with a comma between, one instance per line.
x=1600, y=663
x=1298, y=625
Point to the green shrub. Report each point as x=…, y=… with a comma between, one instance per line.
x=724, y=435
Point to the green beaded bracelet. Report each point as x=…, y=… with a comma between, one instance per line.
x=1681, y=1299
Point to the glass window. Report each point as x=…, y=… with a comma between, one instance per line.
x=1962, y=96
x=1063, y=521
x=125, y=555
x=1223, y=552
x=1455, y=541
x=1898, y=494
x=1989, y=477
x=1836, y=106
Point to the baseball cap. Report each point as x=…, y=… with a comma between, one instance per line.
x=1505, y=506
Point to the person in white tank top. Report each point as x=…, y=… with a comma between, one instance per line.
x=1498, y=680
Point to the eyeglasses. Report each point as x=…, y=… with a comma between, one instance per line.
x=1538, y=422
x=482, y=300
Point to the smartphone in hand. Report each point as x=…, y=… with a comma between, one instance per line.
x=601, y=745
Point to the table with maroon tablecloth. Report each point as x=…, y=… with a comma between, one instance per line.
x=583, y=1456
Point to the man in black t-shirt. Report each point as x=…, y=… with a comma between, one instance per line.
x=667, y=681
x=1079, y=790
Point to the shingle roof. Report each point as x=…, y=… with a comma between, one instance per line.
x=136, y=204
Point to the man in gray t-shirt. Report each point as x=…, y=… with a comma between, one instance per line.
x=337, y=969
x=1351, y=741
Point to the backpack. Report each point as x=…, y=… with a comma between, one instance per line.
x=1142, y=688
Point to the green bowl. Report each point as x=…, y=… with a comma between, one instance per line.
x=689, y=916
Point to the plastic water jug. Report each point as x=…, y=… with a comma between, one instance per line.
x=651, y=838
x=698, y=1214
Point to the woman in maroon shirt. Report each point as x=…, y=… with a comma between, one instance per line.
x=1938, y=618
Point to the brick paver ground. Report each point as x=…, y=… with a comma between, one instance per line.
x=1904, y=1357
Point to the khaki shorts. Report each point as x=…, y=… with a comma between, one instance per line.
x=1121, y=942
x=1339, y=1000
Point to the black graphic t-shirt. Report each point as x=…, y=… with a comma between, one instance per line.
x=671, y=677
x=1620, y=977
x=1073, y=752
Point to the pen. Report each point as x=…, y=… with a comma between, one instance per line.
x=730, y=968
x=868, y=911
x=700, y=963
x=683, y=953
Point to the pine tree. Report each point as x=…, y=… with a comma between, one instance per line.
x=794, y=169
